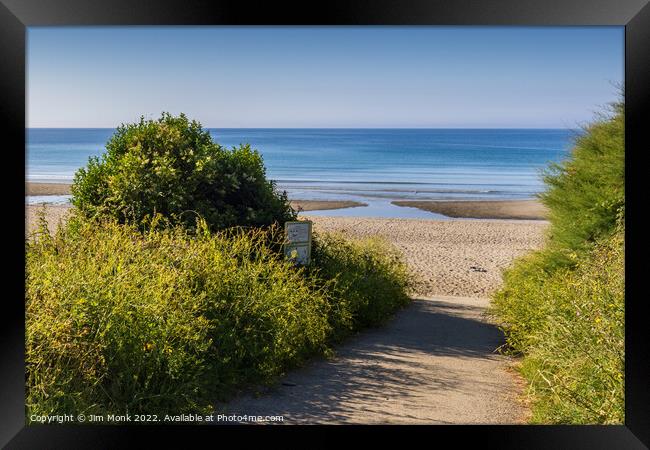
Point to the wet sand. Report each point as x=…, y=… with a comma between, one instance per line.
x=484, y=209
x=47, y=188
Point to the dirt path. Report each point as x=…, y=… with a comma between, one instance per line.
x=434, y=363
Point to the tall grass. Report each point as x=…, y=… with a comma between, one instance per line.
x=569, y=324
x=562, y=307
x=585, y=194
x=164, y=321
x=368, y=280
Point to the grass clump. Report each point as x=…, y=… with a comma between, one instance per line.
x=159, y=319
x=119, y=321
x=570, y=326
x=562, y=307
x=369, y=280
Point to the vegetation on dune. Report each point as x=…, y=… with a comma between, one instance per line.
x=586, y=193
x=168, y=288
x=120, y=320
x=369, y=280
x=562, y=307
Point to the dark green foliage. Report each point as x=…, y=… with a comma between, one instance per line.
x=172, y=167
x=562, y=307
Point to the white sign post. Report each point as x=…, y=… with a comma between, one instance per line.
x=297, y=246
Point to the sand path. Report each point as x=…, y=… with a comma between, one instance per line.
x=433, y=363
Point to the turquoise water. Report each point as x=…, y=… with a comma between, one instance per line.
x=374, y=166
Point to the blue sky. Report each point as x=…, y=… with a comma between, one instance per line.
x=467, y=77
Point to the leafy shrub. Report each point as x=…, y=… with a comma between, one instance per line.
x=562, y=307
x=160, y=319
x=172, y=167
x=370, y=280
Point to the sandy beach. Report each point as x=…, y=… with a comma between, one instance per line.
x=452, y=257
x=54, y=214
x=47, y=189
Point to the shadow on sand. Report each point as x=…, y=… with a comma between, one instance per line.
x=429, y=347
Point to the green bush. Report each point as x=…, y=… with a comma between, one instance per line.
x=172, y=167
x=562, y=307
x=158, y=319
x=586, y=193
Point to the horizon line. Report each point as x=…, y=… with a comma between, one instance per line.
x=331, y=128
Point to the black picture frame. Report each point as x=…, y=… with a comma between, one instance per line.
x=16, y=15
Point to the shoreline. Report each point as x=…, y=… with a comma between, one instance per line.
x=459, y=209
x=45, y=189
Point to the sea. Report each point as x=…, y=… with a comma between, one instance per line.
x=372, y=166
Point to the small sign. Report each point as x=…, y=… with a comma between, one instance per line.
x=298, y=232
x=298, y=242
